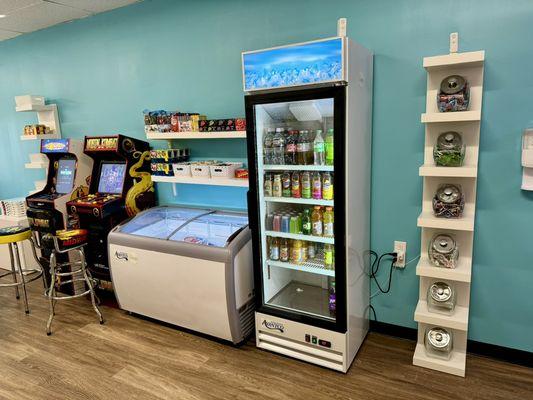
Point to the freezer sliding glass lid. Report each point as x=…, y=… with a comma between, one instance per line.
x=190, y=225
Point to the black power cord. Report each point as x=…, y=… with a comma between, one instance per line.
x=375, y=268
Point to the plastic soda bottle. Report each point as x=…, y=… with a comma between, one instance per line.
x=276, y=186
x=306, y=185
x=278, y=147
x=290, y=147
x=267, y=146
x=318, y=149
x=296, y=252
x=317, y=185
x=286, y=184
x=274, y=249
x=328, y=256
x=329, y=147
x=267, y=186
x=328, y=222
x=312, y=250
x=317, y=222
x=284, y=250
x=295, y=185
x=305, y=251
x=327, y=186
x=306, y=222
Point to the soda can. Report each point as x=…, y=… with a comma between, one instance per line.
x=276, y=223
x=285, y=223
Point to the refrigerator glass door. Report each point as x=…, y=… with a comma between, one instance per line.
x=296, y=185
x=214, y=229
x=160, y=222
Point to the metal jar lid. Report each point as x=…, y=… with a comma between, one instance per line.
x=441, y=292
x=449, y=141
x=452, y=84
x=439, y=338
x=449, y=193
x=443, y=244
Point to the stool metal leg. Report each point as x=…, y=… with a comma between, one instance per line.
x=38, y=261
x=51, y=293
x=90, y=285
x=13, y=271
x=22, y=278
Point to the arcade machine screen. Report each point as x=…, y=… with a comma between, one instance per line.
x=111, y=178
x=66, y=172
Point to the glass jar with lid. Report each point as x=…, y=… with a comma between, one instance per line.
x=454, y=94
x=449, y=201
x=438, y=342
x=449, y=151
x=441, y=298
x=443, y=251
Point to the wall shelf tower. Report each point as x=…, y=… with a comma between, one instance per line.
x=469, y=65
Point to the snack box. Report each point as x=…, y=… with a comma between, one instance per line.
x=224, y=170
x=241, y=173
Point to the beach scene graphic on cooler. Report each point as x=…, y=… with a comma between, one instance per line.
x=293, y=65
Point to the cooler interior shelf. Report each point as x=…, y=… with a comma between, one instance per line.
x=294, y=200
x=324, y=168
x=296, y=236
x=196, y=135
x=312, y=267
x=201, y=181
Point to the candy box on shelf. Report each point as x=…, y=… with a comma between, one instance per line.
x=240, y=124
x=241, y=173
x=224, y=170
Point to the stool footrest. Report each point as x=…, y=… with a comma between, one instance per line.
x=67, y=297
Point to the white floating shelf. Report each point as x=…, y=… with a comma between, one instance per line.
x=298, y=168
x=458, y=320
x=293, y=200
x=201, y=181
x=36, y=165
x=462, y=273
x=463, y=60
x=35, y=108
x=467, y=171
x=428, y=220
x=456, y=365
x=306, y=267
x=52, y=135
x=196, y=135
x=296, y=236
x=458, y=116
x=16, y=220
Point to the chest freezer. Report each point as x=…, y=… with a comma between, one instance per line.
x=188, y=267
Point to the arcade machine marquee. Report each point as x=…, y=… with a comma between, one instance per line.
x=121, y=186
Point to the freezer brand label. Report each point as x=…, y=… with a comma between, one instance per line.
x=121, y=255
x=273, y=326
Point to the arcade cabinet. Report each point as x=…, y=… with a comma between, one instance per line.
x=67, y=178
x=121, y=186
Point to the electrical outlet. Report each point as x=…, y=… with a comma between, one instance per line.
x=400, y=248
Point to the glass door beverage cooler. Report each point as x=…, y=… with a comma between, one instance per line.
x=308, y=111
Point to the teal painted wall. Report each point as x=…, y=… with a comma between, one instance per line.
x=102, y=71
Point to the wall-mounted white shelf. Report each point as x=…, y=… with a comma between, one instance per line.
x=36, y=165
x=306, y=267
x=50, y=135
x=15, y=220
x=466, y=171
x=460, y=116
x=292, y=200
x=467, y=124
x=462, y=273
x=196, y=135
x=295, y=236
x=321, y=168
x=202, y=181
x=458, y=320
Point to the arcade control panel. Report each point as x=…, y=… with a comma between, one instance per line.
x=99, y=204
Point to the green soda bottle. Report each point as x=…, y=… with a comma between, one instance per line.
x=329, y=147
x=306, y=222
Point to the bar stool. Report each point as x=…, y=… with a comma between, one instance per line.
x=68, y=242
x=12, y=236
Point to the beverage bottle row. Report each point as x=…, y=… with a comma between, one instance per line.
x=305, y=185
x=315, y=221
x=293, y=147
x=301, y=251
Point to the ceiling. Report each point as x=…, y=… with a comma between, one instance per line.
x=23, y=16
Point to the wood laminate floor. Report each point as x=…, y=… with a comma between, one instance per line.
x=131, y=358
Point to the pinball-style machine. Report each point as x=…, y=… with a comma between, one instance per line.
x=68, y=177
x=121, y=186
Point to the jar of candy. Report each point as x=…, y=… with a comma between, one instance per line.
x=438, y=342
x=449, y=150
x=443, y=251
x=449, y=201
x=454, y=94
x=441, y=298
